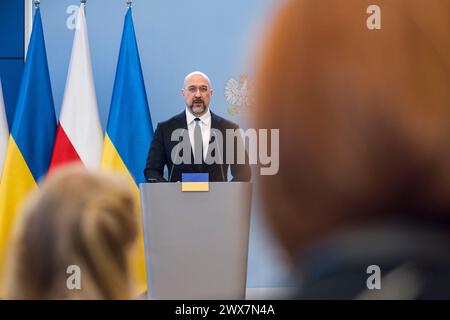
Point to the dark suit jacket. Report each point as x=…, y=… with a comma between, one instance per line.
x=160, y=151
x=414, y=249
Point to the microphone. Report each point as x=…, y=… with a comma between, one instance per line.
x=177, y=154
x=155, y=180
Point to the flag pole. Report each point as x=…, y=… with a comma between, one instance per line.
x=36, y=3
x=83, y=2
x=129, y=3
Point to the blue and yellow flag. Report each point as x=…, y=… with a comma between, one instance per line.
x=194, y=182
x=32, y=135
x=129, y=130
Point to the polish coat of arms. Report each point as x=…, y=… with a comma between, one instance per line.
x=238, y=94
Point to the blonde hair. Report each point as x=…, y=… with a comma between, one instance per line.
x=77, y=218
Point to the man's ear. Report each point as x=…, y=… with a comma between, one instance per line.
x=212, y=92
x=182, y=93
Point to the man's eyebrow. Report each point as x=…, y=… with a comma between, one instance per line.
x=201, y=86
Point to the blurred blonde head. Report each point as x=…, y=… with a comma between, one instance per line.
x=364, y=115
x=77, y=218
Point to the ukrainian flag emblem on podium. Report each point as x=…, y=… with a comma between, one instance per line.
x=194, y=182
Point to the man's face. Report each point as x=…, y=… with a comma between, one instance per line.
x=197, y=94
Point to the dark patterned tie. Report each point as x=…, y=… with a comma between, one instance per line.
x=198, y=143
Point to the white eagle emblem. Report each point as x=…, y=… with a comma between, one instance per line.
x=238, y=94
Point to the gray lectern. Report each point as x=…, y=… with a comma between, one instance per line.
x=196, y=243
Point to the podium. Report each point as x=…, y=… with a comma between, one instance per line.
x=196, y=243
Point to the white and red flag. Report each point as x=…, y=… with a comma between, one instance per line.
x=79, y=135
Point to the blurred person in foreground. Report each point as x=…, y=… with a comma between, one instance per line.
x=364, y=119
x=77, y=218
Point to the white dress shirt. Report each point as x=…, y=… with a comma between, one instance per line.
x=205, y=125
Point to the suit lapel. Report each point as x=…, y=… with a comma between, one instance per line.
x=180, y=122
x=215, y=121
x=215, y=125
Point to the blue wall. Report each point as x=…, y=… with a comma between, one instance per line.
x=11, y=52
x=175, y=37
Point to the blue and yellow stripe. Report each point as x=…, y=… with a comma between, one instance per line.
x=194, y=182
x=31, y=140
x=129, y=132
